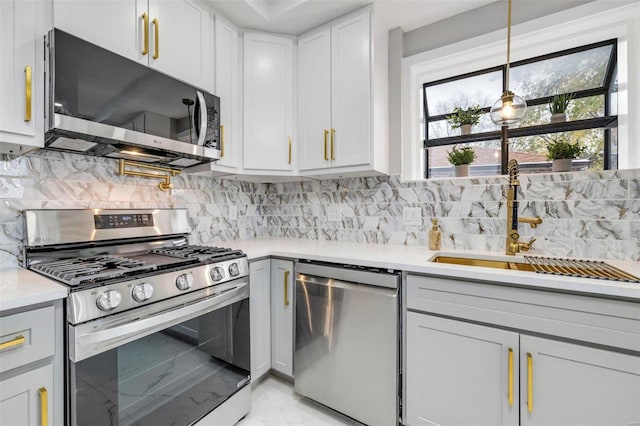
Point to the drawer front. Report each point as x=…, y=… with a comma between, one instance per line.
x=26, y=337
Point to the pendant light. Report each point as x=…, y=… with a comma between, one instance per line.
x=510, y=108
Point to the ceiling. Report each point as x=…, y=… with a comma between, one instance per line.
x=295, y=17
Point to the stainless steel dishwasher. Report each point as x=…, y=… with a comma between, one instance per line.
x=347, y=340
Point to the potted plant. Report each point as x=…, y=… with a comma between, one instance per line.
x=561, y=151
x=465, y=118
x=558, y=105
x=461, y=159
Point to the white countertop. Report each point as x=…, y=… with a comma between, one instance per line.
x=415, y=259
x=20, y=288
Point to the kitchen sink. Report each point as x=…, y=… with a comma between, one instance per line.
x=482, y=261
x=545, y=265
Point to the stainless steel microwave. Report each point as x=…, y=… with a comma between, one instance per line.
x=103, y=104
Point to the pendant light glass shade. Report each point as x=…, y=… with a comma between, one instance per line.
x=509, y=109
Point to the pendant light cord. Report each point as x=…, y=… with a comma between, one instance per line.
x=508, y=45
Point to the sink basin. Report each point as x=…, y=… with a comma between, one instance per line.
x=546, y=265
x=483, y=262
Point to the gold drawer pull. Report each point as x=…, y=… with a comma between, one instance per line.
x=286, y=288
x=27, y=78
x=44, y=407
x=333, y=149
x=156, y=36
x=326, y=155
x=19, y=340
x=221, y=141
x=510, y=376
x=145, y=21
x=530, y=382
x=290, y=142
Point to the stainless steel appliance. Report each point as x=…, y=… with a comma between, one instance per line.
x=347, y=340
x=157, y=330
x=102, y=104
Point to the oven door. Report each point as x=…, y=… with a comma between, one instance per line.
x=169, y=363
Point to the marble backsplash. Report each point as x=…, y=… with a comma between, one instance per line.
x=587, y=214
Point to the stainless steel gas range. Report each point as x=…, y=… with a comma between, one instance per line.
x=157, y=330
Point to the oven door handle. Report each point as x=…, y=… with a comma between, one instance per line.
x=89, y=339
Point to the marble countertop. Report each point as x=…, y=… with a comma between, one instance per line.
x=415, y=259
x=20, y=288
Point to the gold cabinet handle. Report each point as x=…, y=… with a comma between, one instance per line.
x=17, y=341
x=145, y=21
x=290, y=149
x=221, y=141
x=44, y=407
x=510, y=376
x=156, y=38
x=530, y=382
x=326, y=155
x=27, y=90
x=333, y=138
x=286, y=288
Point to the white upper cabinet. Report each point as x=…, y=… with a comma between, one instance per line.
x=172, y=36
x=335, y=98
x=22, y=26
x=226, y=87
x=268, y=103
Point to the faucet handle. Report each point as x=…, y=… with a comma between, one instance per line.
x=527, y=246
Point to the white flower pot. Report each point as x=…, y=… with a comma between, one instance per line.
x=560, y=117
x=561, y=165
x=465, y=129
x=461, y=171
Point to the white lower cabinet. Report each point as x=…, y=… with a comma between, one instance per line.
x=260, y=313
x=26, y=399
x=282, y=308
x=566, y=384
x=460, y=374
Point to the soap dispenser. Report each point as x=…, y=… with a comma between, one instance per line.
x=435, y=236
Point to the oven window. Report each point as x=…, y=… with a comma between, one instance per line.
x=172, y=377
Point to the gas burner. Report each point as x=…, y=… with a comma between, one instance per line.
x=85, y=269
x=200, y=252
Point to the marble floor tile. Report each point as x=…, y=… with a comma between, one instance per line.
x=274, y=403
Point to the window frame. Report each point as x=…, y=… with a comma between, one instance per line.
x=604, y=90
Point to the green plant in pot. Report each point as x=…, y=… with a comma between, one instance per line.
x=465, y=118
x=558, y=105
x=562, y=151
x=461, y=159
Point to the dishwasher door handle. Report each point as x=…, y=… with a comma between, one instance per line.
x=328, y=282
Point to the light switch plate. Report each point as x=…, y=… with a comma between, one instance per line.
x=233, y=212
x=333, y=213
x=412, y=216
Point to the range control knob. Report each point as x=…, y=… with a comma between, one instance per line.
x=234, y=270
x=109, y=300
x=184, y=281
x=217, y=273
x=142, y=292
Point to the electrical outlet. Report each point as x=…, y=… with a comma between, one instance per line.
x=333, y=213
x=233, y=212
x=412, y=216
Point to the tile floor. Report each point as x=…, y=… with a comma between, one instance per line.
x=274, y=403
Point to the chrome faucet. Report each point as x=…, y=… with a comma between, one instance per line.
x=514, y=246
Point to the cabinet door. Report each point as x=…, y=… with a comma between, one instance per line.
x=21, y=70
x=182, y=48
x=260, y=313
x=351, y=90
x=459, y=373
x=268, y=102
x=567, y=384
x=282, y=309
x=314, y=100
x=116, y=25
x=27, y=399
x=226, y=87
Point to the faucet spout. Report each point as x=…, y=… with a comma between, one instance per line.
x=513, y=245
